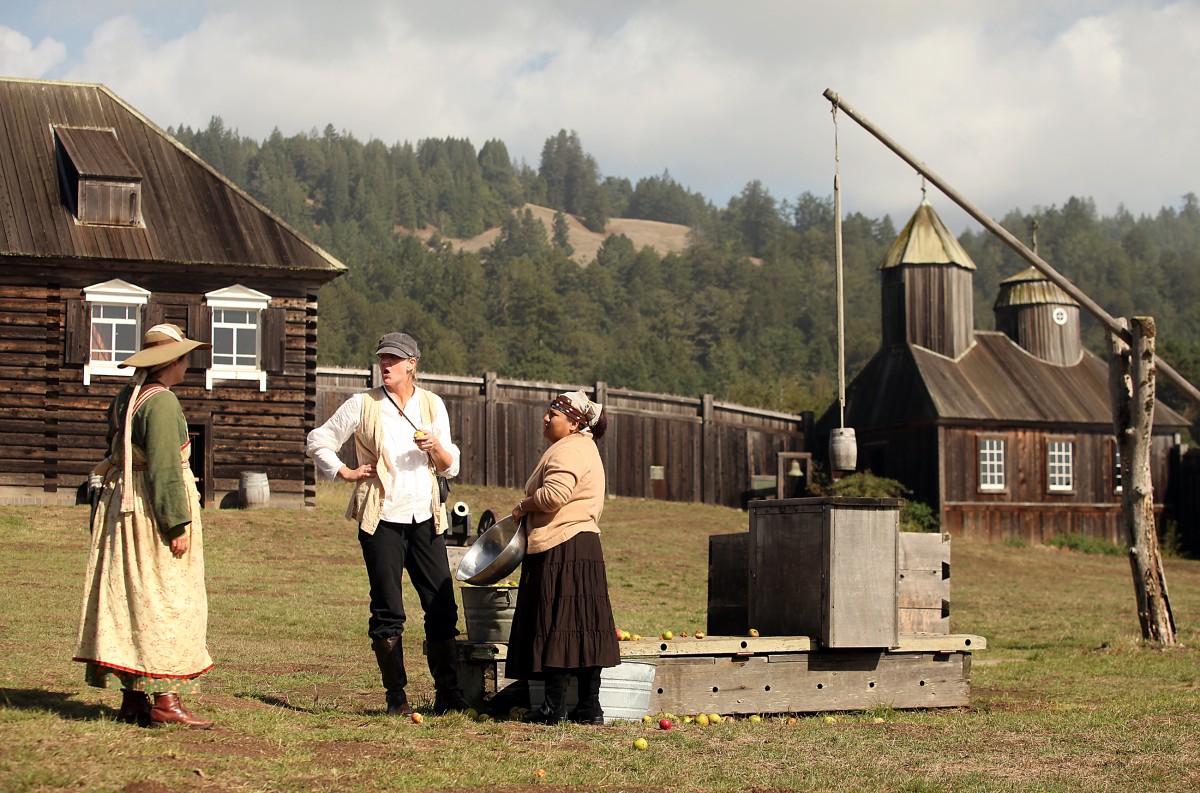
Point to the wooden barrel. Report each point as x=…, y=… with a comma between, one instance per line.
x=254, y=491
x=843, y=449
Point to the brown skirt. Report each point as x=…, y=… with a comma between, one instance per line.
x=563, y=618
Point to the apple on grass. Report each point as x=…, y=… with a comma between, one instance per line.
x=641, y=744
x=664, y=724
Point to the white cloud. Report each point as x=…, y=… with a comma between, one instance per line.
x=1019, y=104
x=20, y=58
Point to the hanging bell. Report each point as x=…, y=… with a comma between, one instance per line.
x=795, y=469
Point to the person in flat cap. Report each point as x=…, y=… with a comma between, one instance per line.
x=145, y=608
x=402, y=442
x=563, y=623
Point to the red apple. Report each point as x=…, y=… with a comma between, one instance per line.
x=664, y=724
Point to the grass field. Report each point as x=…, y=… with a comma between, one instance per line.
x=1066, y=697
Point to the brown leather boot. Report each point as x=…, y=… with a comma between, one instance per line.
x=169, y=709
x=135, y=708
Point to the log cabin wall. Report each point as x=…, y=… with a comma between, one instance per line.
x=55, y=431
x=657, y=446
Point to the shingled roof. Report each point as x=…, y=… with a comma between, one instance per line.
x=190, y=214
x=995, y=381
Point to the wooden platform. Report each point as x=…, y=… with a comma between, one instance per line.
x=780, y=674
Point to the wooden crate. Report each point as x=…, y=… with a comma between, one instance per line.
x=827, y=568
x=922, y=587
x=768, y=675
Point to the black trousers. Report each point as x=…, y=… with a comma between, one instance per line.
x=417, y=548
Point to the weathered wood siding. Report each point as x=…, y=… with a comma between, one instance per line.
x=1034, y=329
x=54, y=430
x=1027, y=508
x=929, y=305
x=657, y=446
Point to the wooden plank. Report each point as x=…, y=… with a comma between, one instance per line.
x=728, y=583
x=811, y=683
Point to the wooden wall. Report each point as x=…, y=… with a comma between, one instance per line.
x=53, y=428
x=1026, y=508
x=657, y=446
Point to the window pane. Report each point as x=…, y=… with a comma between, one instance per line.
x=1059, y=465
x=247, y=342
x=991, y=464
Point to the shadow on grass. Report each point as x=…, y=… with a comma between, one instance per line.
x=279, y=703
x=55, y=702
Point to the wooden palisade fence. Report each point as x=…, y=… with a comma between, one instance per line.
x=658, y=446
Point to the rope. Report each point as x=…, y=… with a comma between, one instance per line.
x=837, y=231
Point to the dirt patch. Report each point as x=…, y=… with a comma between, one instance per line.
x=664, y=238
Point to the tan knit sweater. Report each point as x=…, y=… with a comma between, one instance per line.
x=567, y=491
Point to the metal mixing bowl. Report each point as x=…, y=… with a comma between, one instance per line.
x=495, y=554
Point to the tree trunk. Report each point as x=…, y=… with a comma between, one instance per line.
x=1132, y=381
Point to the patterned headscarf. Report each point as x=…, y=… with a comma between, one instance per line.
x=576, y=406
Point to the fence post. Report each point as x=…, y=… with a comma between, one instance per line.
x=491, y=452
x=708, y=452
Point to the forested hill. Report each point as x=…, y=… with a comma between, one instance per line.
x=744, y=312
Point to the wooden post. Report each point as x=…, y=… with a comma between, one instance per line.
x=709, y=453
x=1132, y=381
x=491, y=454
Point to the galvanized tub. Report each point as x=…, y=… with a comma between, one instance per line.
x=624, y=691
x=489, y=612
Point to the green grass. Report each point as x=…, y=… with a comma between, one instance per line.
x=1066, y=697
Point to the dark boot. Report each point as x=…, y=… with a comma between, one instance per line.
x=169, y=709
x=443, y=665
x=135, y=708
x=389, y=654
x=554, y=706
x=588, y=710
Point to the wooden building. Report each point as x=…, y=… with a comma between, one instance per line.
x=1006, y=433
x=108, y=226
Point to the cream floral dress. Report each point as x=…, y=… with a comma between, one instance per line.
x=145, y=613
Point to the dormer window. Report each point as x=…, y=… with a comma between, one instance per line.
x=101, y=185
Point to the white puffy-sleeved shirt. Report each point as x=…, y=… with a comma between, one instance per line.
x=407, y=500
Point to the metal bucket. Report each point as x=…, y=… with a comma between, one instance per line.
x=254, y=491
x=489, y=612
x=625, y=691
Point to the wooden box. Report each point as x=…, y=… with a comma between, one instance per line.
x=825, y=568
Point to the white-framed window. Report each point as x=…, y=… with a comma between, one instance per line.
x=991, y=464
x=237, y=319
x=1060, y=465
x=114, y=326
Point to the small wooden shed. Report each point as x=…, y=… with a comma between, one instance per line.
x=1005, y=433
x=108, y=225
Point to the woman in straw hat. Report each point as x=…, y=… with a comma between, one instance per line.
x=145, y=609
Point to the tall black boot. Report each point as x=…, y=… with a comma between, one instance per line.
x=443, y=665
x=389, y=654
x=554, y=706
x=588, y=710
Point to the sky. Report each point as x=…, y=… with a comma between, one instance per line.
x=1016, y=105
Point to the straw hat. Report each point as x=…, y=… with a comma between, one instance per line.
x=162, y=344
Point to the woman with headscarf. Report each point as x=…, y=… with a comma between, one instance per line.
x=563, y=622
x=145, y=608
